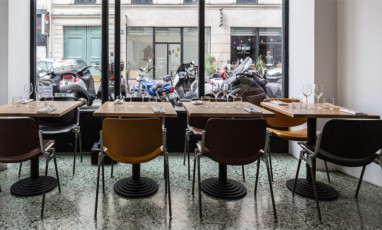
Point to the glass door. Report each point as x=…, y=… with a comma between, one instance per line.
x=167, y=59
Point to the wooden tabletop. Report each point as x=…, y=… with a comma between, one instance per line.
x=222, y=111
x=109, y=109
x=313, y=112
x=30, y=109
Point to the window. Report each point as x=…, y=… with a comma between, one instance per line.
x=84, y=1
x=141, y=1
x=246, y=1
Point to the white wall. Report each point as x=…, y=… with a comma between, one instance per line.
x=18, y=47
x=4, y=51
x=359, y=48
x=338, y=43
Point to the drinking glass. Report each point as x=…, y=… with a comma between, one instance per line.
x=39, y=91
x=227, y=88
x=16, y=101
x=296, y=103
x=28, y=89
x=143, y=93
x=130, y=91
x=237, y=102
x=206, y=101
x=328, y=103
x=318, y=91
x=307, y=91
x=216, y=91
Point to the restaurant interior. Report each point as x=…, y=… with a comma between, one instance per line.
x=292, y=162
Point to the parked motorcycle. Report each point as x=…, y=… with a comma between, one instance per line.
x=250, y=84
x=165, y=91
x=185, y=82
x=81, y=84
x=144, y=83
x=122, y=86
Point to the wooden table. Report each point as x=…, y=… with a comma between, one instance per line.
x=136, y=186
x=304, y=186
x=222, y=187
x=33, y=185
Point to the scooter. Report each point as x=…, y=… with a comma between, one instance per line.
x=184, y=80
x=144, y=83
x=245, y=83
x=80, y=84
x=122, y=86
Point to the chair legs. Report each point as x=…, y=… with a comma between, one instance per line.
x=21, y=165
x=47, y=159
x=327, y=171
x=270, y=188
x=360, y=181
x=168, y=184
x=313, y=173
x=187, y=152
x=100, y=161
x=77, y=138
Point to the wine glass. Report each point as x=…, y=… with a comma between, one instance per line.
x=142, y=91
x=318, y=91
x=130, y=91
x=28, y=89
x=307, y=91
x=227, y=88
x=216, y=91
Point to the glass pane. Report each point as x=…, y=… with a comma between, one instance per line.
x=139, y=42
x=161, y=60
x=67, y=43
x=167, y=35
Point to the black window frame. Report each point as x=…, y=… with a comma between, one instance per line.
x=285, y=35
x=247, y=2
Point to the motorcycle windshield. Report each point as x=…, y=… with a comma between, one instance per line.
x=240, y=69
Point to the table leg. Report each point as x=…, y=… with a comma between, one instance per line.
x=136, y=186
x=222, y=187
x=304, y=187
x=33, y=185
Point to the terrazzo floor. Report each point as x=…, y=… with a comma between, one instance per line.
x=73, y=208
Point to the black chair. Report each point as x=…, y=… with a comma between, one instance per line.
x=52, y=127
x=244, y=147
x=351, y=143
x=20, y=140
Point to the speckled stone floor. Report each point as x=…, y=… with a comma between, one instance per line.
x=74, y=207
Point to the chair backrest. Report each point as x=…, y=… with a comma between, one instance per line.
x=132, y=137
x=234, y=141
x=281, y=120
x=356, y=141
x=200, y=122
x=18, y=136
x=69, y=118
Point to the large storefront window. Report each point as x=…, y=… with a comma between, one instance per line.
x=170, y=48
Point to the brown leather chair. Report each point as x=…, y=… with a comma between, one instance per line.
x=350, y=143
x=245, y=147
x=21, y=140
x=195, y=127
x=134, y=141
x=280, y=125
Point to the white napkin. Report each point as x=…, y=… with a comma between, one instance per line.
x=46, y=110
x=352, y=111
x=251, y=110
x=277, y=102
x=197, y=102
x=26, y=101
x=158, y=110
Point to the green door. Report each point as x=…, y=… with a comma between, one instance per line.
x=83, y=42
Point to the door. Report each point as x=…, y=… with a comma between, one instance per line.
x=83, y=42
x=167, y=59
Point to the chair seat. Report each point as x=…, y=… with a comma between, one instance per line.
x=134, y=159
x=56, y=129
x=26, y=156
x=196, y=131
x=290, y=135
